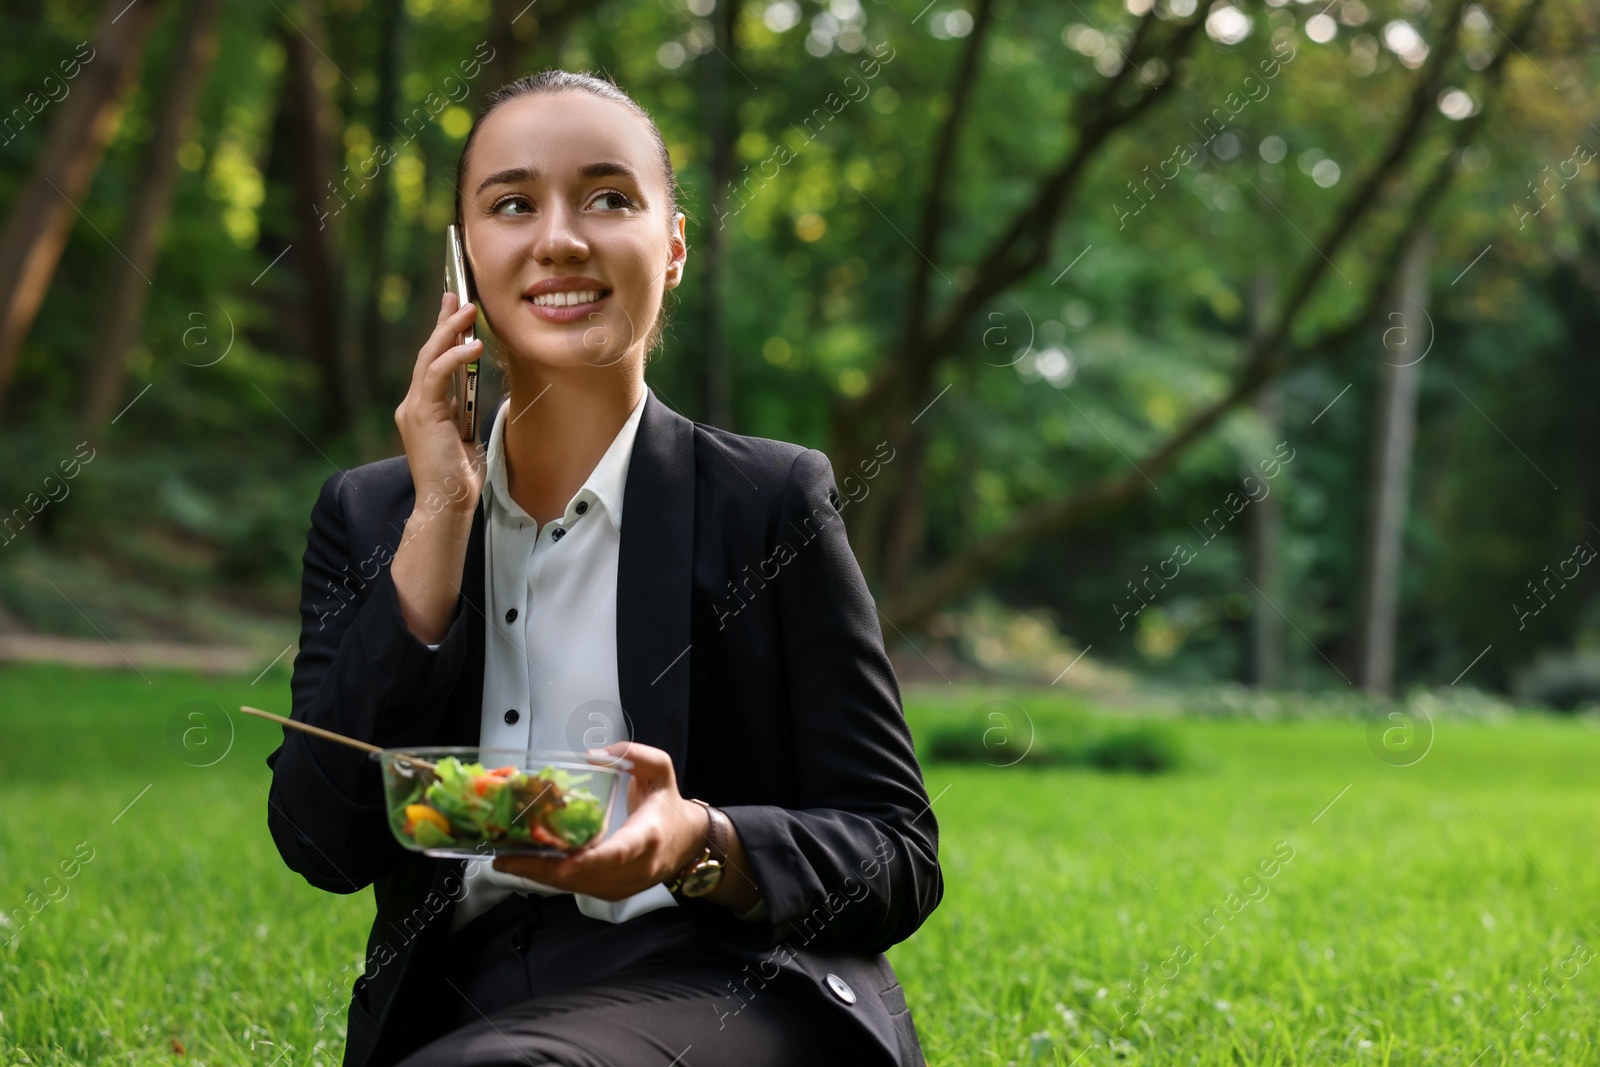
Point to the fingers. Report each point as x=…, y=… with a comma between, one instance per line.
x=430, y=386
x=425, y=354
x=613, y=857
x=536, y=868
x=452, y=323
x=648, y=761
x=436, y=379
x=620, y=864
x=619, y=861
x=443, y=337
x=420, y=408
x=624, y=858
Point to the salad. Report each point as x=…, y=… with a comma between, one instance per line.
x=464, y=804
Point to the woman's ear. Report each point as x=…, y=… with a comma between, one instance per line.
x=678, y=252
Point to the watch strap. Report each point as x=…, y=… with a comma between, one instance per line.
x=713, y=856
x=675, y=883
x=717, y=835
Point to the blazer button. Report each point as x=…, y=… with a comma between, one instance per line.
x=511, y=616
x=512, y=716
x=841, y=989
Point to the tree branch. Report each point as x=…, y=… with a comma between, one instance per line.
x=920, y=349
x=959, y=573
x=1001, y=267
x=932, y=225
x=1358, y=204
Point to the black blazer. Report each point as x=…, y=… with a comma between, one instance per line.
x=748, y=647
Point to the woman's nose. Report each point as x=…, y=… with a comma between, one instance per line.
x=557, y=237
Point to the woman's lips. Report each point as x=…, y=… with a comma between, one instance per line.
x=567, y=312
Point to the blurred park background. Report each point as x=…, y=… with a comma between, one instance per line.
x=1213, y=388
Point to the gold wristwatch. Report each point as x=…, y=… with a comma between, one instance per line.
x=702, y=873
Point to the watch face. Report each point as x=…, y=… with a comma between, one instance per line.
x=702, y=880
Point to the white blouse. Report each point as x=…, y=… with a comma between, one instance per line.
x=550, y=657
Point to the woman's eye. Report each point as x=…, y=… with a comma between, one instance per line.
x=619, y=201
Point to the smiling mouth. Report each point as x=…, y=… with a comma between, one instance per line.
x=572, y=298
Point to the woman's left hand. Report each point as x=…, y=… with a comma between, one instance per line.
x=663, y=832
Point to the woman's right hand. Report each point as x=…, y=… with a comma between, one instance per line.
x=448, y=475
x=443, y=467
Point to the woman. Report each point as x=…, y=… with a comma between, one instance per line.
x=779, y=836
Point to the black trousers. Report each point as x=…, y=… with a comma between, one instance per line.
x=536, y=982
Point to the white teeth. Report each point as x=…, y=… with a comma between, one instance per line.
x=567, y=299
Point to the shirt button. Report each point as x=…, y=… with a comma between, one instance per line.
x=583, y=506
x=558, y=533
x=512, y=716
x=511, y=616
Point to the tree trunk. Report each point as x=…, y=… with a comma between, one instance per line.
x=1266, y=526
x=1405, y=344
x=46, y=207
x=311, y=123
x=720, y=121
x=126, y=296
x=510, y=23
x=516, y=27
x=908, y=521
x=382, y=368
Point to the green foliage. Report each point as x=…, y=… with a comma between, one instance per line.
x=1563, y=682
x=205, y=482
x=1142, y=748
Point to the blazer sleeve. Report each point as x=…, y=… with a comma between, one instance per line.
x=362, y=673
x=854, y=864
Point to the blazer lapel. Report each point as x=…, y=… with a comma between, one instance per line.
x=465, y=723
x=654, y=582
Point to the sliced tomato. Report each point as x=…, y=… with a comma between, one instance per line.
x=497, y=777
x=545, y=837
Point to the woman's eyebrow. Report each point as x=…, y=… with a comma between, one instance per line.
x=602, y=169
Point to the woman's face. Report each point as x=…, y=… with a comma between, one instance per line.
x=564, y=207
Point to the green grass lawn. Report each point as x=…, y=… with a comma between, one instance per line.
x=1412, y=921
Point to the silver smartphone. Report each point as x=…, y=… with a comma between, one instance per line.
x=457, y=281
